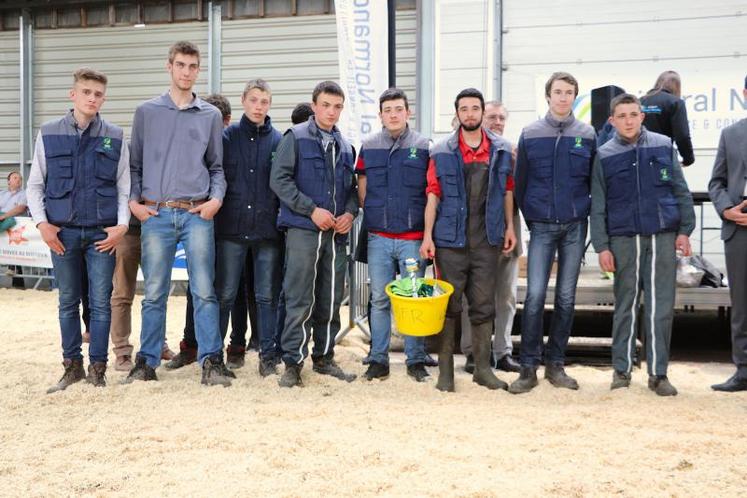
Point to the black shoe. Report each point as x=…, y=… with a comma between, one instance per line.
x=253, y=344
x=235, y=356
x=620, y=380
x=141, y=371
x=268, y=366
x=469, y=364
x=328, y=366
x=734, y=384
x=660, y=385
x=377, y=371
x=97, y=374
x=418, y=372
x=505, y=363
x=558, y=378
x=291, y=377
x=430, y=362
x=73, y=373
x=526, y=382
x=215, y=372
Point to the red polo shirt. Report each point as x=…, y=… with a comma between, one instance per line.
x=469, y=155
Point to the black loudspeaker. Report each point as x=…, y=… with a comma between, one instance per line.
x=600, y=104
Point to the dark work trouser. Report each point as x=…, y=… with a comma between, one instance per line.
x=645, y=263
x=313, y=285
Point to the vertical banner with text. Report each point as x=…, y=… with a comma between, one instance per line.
x=362, y=48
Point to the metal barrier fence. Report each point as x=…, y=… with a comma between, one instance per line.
x=358, y=285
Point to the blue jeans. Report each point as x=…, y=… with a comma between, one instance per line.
x=231, y=255
x=385, y=256
x=160, y=235
x=568, y=239
x=80, y=253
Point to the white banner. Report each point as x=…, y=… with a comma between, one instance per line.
x=362, y=47
x=22, y=245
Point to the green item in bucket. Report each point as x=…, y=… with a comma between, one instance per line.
x=403, y=288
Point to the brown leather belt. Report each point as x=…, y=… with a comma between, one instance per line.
x=175, y=204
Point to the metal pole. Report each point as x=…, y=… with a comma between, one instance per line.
x=392, y=28
x=498, y=54
x=425, y=73
x=25, y=26
x=214, y=47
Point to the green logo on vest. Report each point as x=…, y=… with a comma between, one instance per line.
x=664, y=174
x=107, y=143
x=413, y=153
x=578, y=144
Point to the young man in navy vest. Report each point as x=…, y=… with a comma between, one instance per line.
x=468, y=221
x=641, y=214
x=77, y=190
x=246, y=223
x=312, y=175
x=177, y=188
x=391, y=171
x=553, y=166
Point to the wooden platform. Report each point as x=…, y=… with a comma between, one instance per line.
x=593, y=290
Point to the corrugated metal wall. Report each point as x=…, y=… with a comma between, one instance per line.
x=633, y=41
x=293, y=54
x=9, y=98
x=134, y=59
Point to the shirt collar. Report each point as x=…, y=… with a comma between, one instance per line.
x=197, y=102
x=70, y=120
x=465, y=148
x=563, y=123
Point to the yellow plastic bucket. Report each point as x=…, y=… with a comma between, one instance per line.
x=420, y=316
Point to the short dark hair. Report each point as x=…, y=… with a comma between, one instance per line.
x=183, y=47
x=393, y=94
x=86, y=73
x=561, y=76
x=13, y=173
x=469, y=92
x=329, y=87
x=301, y=113
x=219, y=101
x=623, y=98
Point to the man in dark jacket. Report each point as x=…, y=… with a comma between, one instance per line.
x=552, y=188
x=666, y=113
x=312, y=175
x=641, y=213
x=246, y=222
x=468, y=221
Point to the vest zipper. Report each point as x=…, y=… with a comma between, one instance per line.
x=554, y=163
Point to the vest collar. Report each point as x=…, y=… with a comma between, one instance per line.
x=564, y=123
x=246, y=126
x=94, y=125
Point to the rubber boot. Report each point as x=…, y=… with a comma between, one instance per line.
x=446, y=357
x=484, y=375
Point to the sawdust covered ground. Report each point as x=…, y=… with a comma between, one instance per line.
x=393, y=438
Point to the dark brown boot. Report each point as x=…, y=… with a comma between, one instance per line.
x=446, y=357
x=185, y=356
x=484, y=375
x=73, y=373
x=97, y=374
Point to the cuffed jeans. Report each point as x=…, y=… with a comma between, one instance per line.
x=568, y=239
x=160, y=234
x=231, y=255
x=79, y=247
x=385, y=256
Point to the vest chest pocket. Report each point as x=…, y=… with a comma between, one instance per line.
x=661, y=170
x=107, y=161
x=312, y=172
x=59, y=164
x=449, y=185
x=580, y=162
x=541, y=168
x=376, y=175
x=414, y=173
x=618, y=179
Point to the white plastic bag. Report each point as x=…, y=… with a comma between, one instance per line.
x=687, y=274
